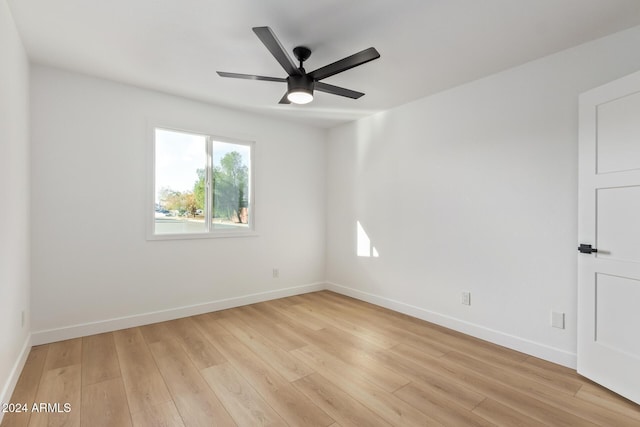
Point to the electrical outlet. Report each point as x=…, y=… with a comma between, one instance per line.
x=557, y=320
x=276, y=273
x=466, y=298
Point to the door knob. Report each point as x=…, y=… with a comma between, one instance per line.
x=586, y=249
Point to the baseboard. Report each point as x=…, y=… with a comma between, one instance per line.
x=532, y=348
x=536, y=349
x=92, y=328
x=10, y=385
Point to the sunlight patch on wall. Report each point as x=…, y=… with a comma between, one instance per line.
x=364, y=248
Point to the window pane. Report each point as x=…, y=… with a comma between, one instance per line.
x=231, y=186
x=180, y=164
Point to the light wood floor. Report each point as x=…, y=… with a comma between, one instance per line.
x=319, y=359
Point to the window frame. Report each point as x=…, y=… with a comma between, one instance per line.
x=211, y=232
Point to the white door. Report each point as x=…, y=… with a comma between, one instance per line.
x=609, y=221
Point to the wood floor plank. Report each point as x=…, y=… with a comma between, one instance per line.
x=286, y=365
x=561, y=383
x=27, y=386
x=290, y=404
x=201, y=352
x=104, y=404
x=439, y=334
x=392, y=409
x=414, y=352
x=294, y=299
x=64, y=353
x=438, y=407
x=267, y=327
x=99, y=359
x=244, y=404
x=273, y=319
x=59, y=386
x=274, y=311
x=335, y=402
x=503, y=393
x=366, y=332
x=155, y=332
x=466, y=378
x=414, y=365
x=543, y=392
x=532, y=371
x=340, y=337
x=283, y=302
x=598, y=395
x=390, y=329
x=504, y=416
x=160, y=415
x=349, y=349
x=196, y=402
x=551, y=374
x=143, y=383
x=303, y=317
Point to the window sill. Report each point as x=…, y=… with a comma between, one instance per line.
x=191, y=236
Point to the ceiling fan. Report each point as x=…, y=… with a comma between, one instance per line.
x=300, y=84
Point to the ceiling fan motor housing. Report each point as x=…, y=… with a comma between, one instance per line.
x=302, y=83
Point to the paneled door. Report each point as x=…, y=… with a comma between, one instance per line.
x=609, y=233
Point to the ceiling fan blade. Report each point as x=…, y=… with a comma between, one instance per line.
x=284, y=99
x=345, y=64
x=250, y=77
x=271, y=42
x=336, y=90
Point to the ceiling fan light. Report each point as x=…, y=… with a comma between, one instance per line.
x=300, y=96
x=300, y=88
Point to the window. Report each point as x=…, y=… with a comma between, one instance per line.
x=202, y=186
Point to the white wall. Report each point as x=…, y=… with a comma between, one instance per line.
x=473, y=189
x=91, y=259
x=14, y=193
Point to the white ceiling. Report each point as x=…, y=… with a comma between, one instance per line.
x=426, y=46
